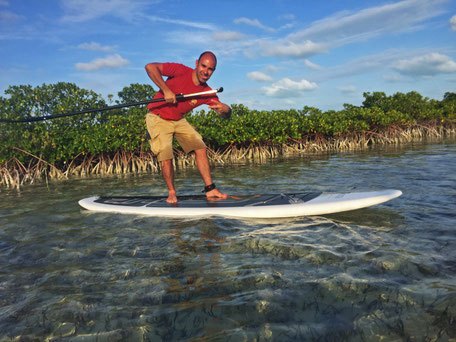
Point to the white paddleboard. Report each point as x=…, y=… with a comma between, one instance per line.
x=254, y=206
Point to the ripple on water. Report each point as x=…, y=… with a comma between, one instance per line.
x=386, y=272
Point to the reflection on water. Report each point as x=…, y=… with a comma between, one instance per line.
x=381, y=273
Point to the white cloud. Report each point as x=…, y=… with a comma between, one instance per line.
x=9, y=17
x=348, y=89
x=130, y=10
x=287, y=26
x=254, y=23
x=259, y=76
x=368, y=64
x=396, y=78
x=84, y=10
x=92, y=46
x=287, y=17
x=193, y=24
x=272, y=68
x=312, y=66
x=227, y=35
x=289, y=88
x=286, y=48
x=113, y=61
x=427, y=65
x=195, y=38
x=346, y=27
x=453, y=23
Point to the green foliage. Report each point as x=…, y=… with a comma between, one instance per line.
x=136, y=92
x=248, y=127
x=52, y=140
x=448, y=107
x=61, y=140
x=413, y=106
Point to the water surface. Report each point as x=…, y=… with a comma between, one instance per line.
x=381, y=273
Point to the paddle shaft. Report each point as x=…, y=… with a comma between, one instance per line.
x=131, y=104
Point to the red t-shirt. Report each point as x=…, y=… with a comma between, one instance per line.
x=180, y=82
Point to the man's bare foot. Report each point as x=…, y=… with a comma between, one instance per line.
x=172, y=198
x=215, y=194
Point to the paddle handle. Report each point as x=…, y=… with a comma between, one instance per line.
x=131, y=104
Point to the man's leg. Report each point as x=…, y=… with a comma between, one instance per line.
x=168, y=176
x=161, y=133
x=203, y=166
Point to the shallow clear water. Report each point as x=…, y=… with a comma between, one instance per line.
x=381, y=273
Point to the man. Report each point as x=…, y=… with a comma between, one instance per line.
x=165, y=120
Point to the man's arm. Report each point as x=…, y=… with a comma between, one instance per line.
x=155, y=72
x=221, y=109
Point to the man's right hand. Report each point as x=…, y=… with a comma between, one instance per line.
x=170, y=97
x=155, y=72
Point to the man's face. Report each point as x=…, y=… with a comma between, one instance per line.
x=205, y=67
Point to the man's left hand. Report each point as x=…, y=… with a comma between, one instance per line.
x=221, y=109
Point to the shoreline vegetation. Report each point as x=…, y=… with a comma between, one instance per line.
x=100, y=144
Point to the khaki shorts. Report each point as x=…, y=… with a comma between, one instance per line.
x=162, y=132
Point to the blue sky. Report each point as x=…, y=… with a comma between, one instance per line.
x=272, y=54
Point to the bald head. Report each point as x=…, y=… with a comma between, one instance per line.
x=205, y=67
x=208, y=54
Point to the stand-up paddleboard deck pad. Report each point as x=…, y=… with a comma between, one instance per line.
x=255, y=206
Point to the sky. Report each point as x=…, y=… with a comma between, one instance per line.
x=272, y=54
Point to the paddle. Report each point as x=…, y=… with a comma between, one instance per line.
x=178, y=97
